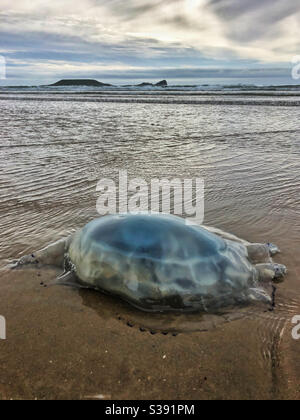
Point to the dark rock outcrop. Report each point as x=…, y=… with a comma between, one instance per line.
x=163, y=83
x=145, y=85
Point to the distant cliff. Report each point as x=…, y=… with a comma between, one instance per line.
x=163, y=83
x=80, y=82
x=95, y=83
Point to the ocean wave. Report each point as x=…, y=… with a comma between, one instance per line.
x=201, y=88
x=167, y=99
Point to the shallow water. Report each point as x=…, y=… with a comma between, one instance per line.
x=53, y=153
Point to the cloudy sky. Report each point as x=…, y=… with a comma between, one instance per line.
x=124, y=40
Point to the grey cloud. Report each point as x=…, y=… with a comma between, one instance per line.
x=272, y=10
x=155, y=74
x=255, y=19
x=243, y=21
x=98, y=33
x=180, y=21
x=131, y=9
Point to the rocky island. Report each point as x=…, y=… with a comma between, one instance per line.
x=95, y=83
x=162, y=83
x=80, y=82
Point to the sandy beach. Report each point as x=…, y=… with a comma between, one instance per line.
x=68, y=344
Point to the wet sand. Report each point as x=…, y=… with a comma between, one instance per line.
x=60, y=347
x=65, y=343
